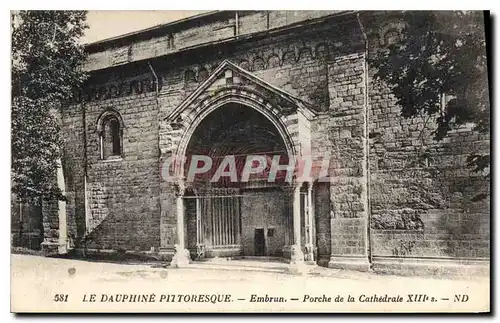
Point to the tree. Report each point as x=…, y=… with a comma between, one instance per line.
x=441, y=53
x=47, y=58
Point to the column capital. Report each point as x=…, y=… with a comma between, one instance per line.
x=180, y=187
x=297, y=183
x=294, y=187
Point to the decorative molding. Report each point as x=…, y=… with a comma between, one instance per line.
x=109, y=113
x=257, y=61
x=287, y=99
x=116, y=90
x=289, y=57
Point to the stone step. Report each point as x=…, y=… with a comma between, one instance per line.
x=249, y=263
x=236, y=268
x=241, y=265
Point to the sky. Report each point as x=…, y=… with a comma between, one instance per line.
x=106, y=24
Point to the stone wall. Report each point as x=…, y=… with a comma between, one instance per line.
x=74, y=167
x=385, y=169
x=181, y=36
x=295, y=63
x=123, y=194
x=341, y=132
x=421, y=190
x=261, y=210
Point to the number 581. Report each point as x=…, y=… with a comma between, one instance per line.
x=60, y=297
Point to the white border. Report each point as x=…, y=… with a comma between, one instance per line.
x=200, y=5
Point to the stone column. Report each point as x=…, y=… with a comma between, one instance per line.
x=309, y=220
x=181, y=255
x=297, y=256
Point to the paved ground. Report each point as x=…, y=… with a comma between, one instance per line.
x=35, y=282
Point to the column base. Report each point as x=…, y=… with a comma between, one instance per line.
x=63, y=248
x=351, y=263
x=166, y=254
x=297, y=264
x=309, y=255
x=181, y=257
x=296, y=254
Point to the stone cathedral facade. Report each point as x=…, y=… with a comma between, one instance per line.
x=250, y=83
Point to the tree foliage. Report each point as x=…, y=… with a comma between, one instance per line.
x=47, y=58
x=441, y=53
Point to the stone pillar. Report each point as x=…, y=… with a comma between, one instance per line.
x=55, y=220
x=181, y=255
x=50, y=221
x=309, y=227
x=297, y=256
x=348, y=124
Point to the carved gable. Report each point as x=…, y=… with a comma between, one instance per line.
x=230, y=83
x=230, y=76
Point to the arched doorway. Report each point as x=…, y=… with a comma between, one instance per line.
x=231, y=216
x=235, y=112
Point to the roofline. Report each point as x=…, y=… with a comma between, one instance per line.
x=263, y=33
x=128, y=37
x=108, y=41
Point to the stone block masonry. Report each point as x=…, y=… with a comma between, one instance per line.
x=421, y=190
x=394, y=196
x=124, y=193
x=346, y=133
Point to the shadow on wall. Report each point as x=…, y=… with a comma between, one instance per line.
x=323, y=226
x=120, y=231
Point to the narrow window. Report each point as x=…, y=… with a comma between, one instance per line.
x=110, y=137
